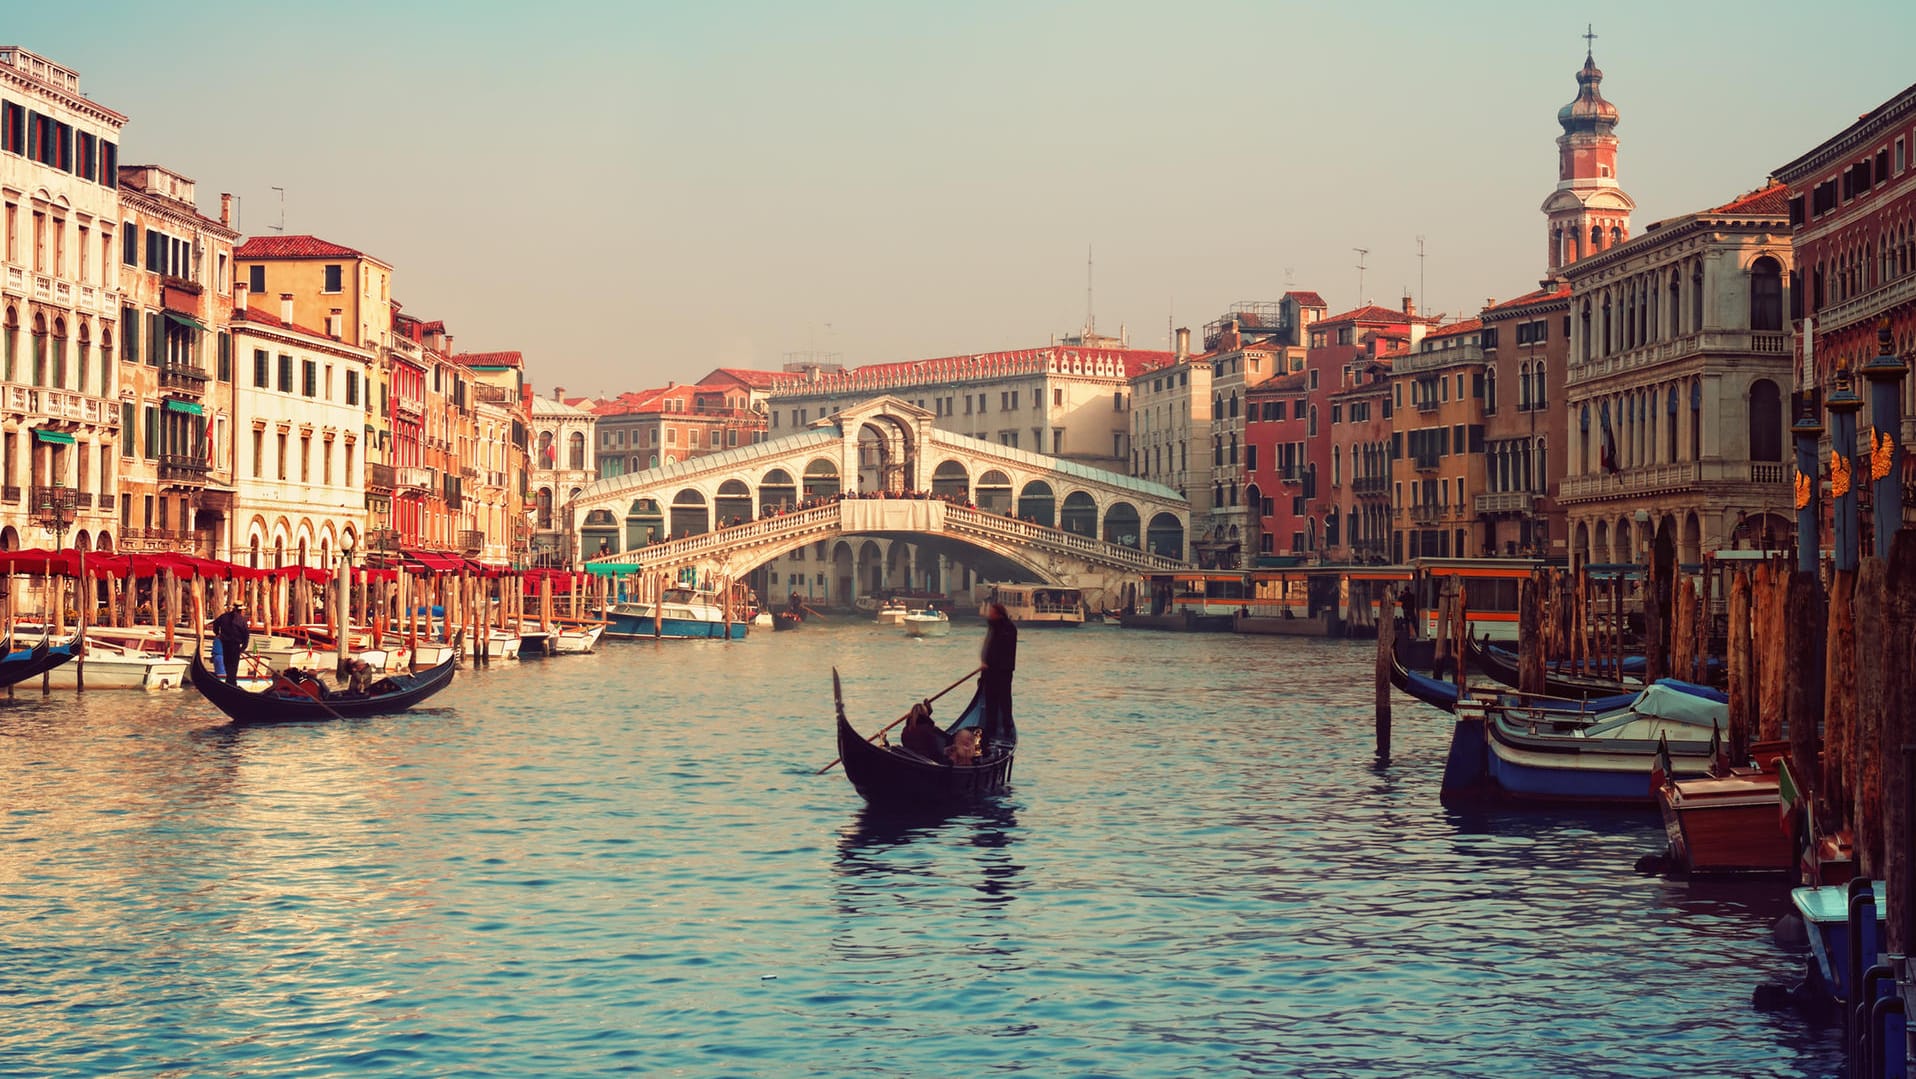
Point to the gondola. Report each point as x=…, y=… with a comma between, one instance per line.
x=891, y=777
x=270, y=707
x=783, y=620
x=1502, y=666
x=1442, y=693
x=16, y=667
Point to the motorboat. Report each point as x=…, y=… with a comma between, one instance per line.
x=891, y=614
x=927, y=622
x=680, y=613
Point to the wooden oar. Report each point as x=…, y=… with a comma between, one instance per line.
x=809, y=610
x=969, y=675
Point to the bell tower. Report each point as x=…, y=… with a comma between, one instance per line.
x=1588, y=212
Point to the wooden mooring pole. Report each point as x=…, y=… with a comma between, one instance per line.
x=1386, y=640
x=1899, y=740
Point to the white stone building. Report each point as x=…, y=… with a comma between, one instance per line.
x=59, y=306
x=299, y=455
x=1678, y=375
x=564, y=461
x=1171, y=428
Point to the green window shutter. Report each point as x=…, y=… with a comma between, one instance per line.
x=155, y=338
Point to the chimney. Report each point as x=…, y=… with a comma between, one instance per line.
x=286, y=308
x=226, y=209
x=1184, y=342
x=1410, y=306
x=558, y=393
x=239, y=296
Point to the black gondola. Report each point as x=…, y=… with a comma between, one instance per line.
x=1501, y=667
x=782, y=620
x=892, y=777
x=17, y=667
x=270, y=707
x=1442, y=693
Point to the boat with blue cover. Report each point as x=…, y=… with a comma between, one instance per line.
x=1536, y=754
x=680, y=614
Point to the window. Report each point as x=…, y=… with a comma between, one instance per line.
x=305, y=458
x=1766, y=421
x=280, y=444
x=225, y=357
x=285, y=376
x=352, y=387
x=309, y=378
x=256, y=280
x=1766, y=295
x=261, y=378
x=333, y=278
x=259, y=453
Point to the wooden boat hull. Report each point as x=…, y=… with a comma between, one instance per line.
x=1441, y=693
x=887, y=778
x=1562, y=768
x=17, y=667
x=261, y=708
x=1725, y=824
x=785, y=620
x=1825, y=913
x=107, y=671
x=927, y=627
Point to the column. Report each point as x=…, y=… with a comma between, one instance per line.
x=1845, y=477
x=1807, y=431
x=1886, y=374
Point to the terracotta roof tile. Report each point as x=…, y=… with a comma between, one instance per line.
x=1371, y=312
x=1306, y=299
x=756, y=378
x=291, y=247
x=1772, y=199
x=1468, y=325
x=489, y=359
x=1557, y=292
x=261, y=317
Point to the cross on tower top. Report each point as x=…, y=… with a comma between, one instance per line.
x=1589, y=40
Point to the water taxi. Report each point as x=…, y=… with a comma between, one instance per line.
x=927, y=622
x=891, y=613
x=1036, y=604
x=680, y=614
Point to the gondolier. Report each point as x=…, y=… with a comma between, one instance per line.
x=998, y=658
x=233, y=634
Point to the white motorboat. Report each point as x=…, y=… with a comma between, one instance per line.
x=113, y=666
x=927, y=623
x=891, y=614
x=577, y=639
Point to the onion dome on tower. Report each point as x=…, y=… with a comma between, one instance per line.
x=1589, y=113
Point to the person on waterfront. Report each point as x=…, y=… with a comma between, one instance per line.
x=999, y=658
x=361, y=678
x=233, y=634
x=921, y=734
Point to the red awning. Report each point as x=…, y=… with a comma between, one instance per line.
x=434, y=562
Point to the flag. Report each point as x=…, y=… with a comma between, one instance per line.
x=1608, y=452
x=1786, y=794
x=1718, y=764
x=1661, y=770
x=207, y=434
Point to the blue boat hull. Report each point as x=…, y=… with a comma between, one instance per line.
x=625, y=625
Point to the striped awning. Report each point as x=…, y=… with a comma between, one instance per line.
x=58, y=438
x=191, y=408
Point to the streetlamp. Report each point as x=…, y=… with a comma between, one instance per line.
x=53, y=511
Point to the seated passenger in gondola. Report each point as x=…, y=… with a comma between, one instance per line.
x=294, y=682
x=963, y=750
x=922, y=736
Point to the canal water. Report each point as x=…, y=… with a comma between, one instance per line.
x=624, y=863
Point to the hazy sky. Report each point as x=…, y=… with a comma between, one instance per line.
x=636, y=192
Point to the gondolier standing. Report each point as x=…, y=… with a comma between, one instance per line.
x=233, y=634
x=999, y=659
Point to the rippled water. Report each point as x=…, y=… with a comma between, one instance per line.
x=623, y=862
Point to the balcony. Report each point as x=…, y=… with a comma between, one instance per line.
x=83, y=500
x=183, y=376
x=410, y=406
x=1371, y=485
x=412, y=479
x=1741, y=343
x=1425, y=514
x=40, y=402
x=183, y=467
x=491, y=395
x=1424, y=462
x=51, y=501
x=1505, y=502
x=1769, y=472
x=379, y=477
x=472, y=541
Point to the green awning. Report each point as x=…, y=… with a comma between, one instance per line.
x=57, y=437
x=191, y=408
x=187, y=321
x=611, y=569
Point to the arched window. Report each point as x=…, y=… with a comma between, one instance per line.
x=1766, y=421
x=575, y=451
x=1539, y=391
x=1523, y=387
x=1232, y=458
x=1670, y=436
x=10, y=342
x=1313, y=422
x=1217, y=451
x=1587, y=342
x=1766, y=295
x=1490, y=390
x=60, y=353
x=1696, y=419
x=1607, y=340
x=39, y=350
x=1674, y=308
x=1696, y=297
x=1234, y=404
x=1337, y=467
x=83, y=353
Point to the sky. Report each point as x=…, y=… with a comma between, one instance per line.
x=636, y=192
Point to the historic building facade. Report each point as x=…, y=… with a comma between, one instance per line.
x=299, y=446
x=1526, y=346
x=1852, y=214
x=1679, y=366
x=1437, y=391
x=1171, y=426
x=495, y=461
x=564, y=461
x=60, y=417
x=1588, y=212
x=1249, y=344
x=177, y=407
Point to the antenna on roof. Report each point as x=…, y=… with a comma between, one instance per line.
x=1290, y=277
x=1420, y=272
x=281, y=227
x=1090, y=315
x=1361, y=252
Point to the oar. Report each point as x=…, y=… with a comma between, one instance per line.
x=874, y=737
x=809, y=610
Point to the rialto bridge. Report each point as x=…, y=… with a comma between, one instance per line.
x=876, y=498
